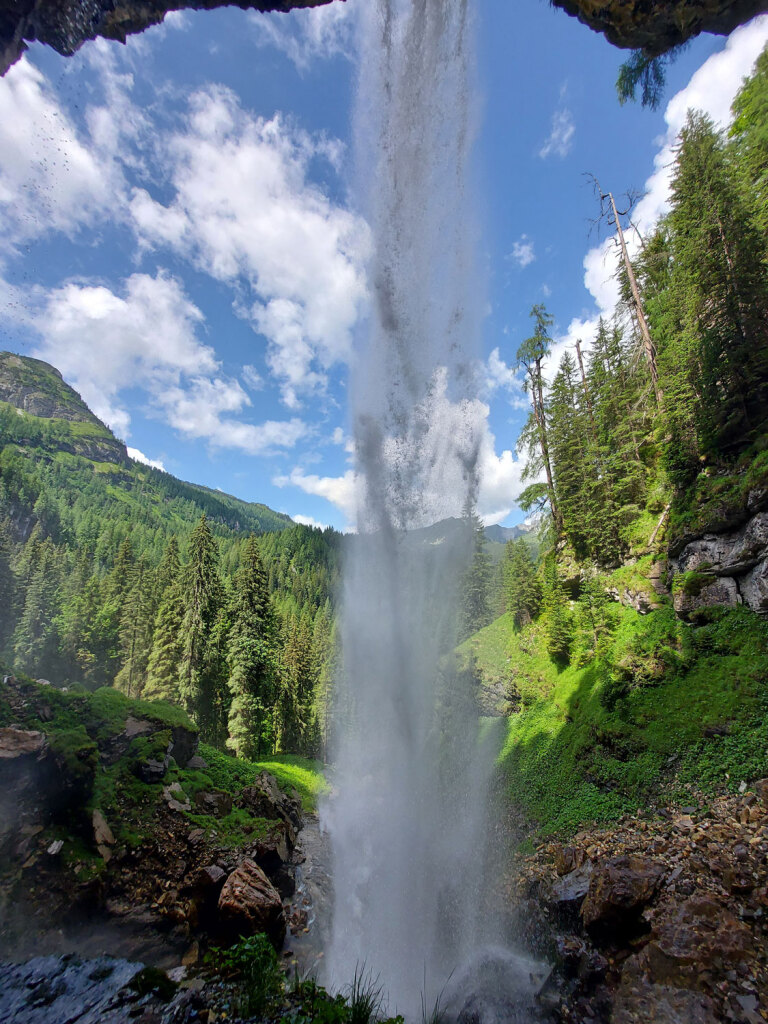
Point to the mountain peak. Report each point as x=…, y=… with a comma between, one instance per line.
x=38, y=388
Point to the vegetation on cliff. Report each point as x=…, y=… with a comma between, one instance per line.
x=652, y=440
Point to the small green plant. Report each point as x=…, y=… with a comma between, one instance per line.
x=365, y=996
x=253, y=966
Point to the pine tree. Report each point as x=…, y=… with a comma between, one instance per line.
x=136, y=626
x=203, y=599
x=749, y=132
x=720, y=274
x=251, y=658
x=164, y=663
x=7, y=587
x=35, y=641
x=297, y=730
x=522, y=588
x=557, y=615
x=530, y=356
x=475, y=607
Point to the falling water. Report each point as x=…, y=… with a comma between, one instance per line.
x=408, y=820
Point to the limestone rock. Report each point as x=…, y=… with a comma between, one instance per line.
x=721, y=591
x=619, y=889
x=249, y=903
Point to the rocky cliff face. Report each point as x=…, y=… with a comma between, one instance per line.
x=66, y=24
x=659, y=25
x=634, y=24
x=727, y=568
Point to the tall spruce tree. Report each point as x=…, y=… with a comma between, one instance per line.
x=475, y=606
x=719, y=270
x=251, y=658
x=203, y=599
x=522, y=589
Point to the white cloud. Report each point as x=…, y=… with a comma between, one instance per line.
x=712, y=89
x=139, y=456
x=244, y=210
x=51, y=178
x=561, y=136
x=309, y=521
x=522, y=252
x=341, y=491
x=105, y=343
x=252, y=378
x=320, y=32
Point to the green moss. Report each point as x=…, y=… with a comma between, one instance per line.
x=717, y=500
x=233, y=829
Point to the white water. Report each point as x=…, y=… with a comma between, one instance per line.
x=408, y=822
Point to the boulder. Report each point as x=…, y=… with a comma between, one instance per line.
x=701, y=935
x=214, y=803
x=618, y=891
x=249, y=903
x=265, y=799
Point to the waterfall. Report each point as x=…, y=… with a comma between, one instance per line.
x=407, y=823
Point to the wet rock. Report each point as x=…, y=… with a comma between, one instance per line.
x=645, y=1003
x=184, y=744
x=152, y=770
x=197, y=763
x=176, y=799
x=619, y=889
x=21, y=743
x=249, y=903
x=702, y=935
x=55, y=990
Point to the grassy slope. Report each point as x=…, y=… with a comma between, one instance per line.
x=593, y=742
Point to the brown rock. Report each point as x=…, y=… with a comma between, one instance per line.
x=619, y=889
x=567, y=858
x=250, y=903
x=644, y=1003
x=700, y=935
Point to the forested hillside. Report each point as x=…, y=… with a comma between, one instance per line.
x=114, y=572
x=633, y=651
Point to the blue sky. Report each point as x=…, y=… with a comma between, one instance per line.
x=178, y=234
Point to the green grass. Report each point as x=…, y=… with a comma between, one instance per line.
x=230, y=774
x=606, y=738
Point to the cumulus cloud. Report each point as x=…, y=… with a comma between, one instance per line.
x=711, y=89
x=51, y=176
x=522, y=252
x=139, y=456
x=560, y=138
x=309, y=521
x=341, y=491
x=245, y=211
x=145, y=337
x=320, y=32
